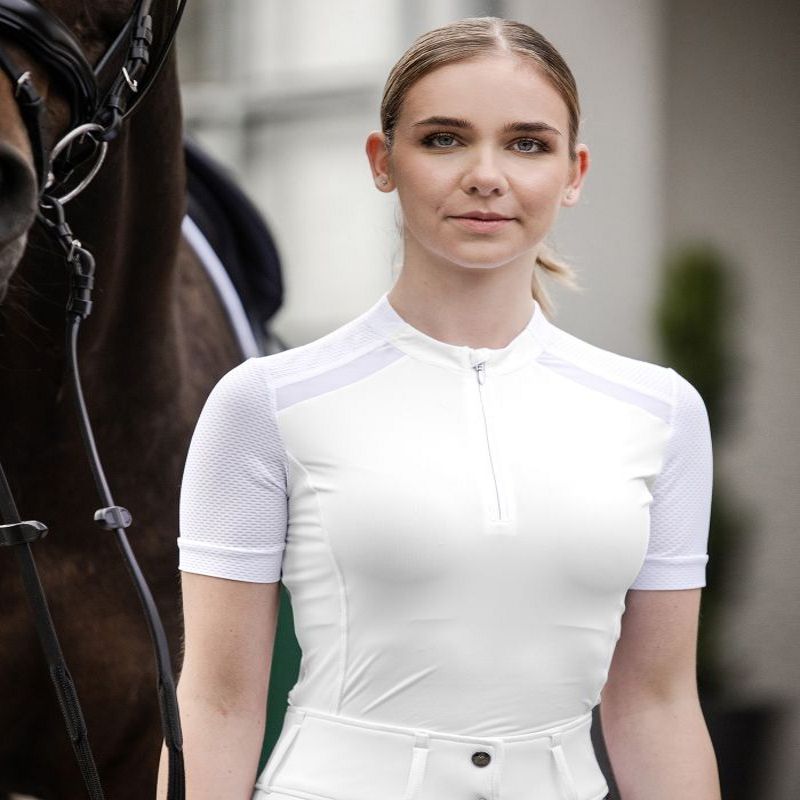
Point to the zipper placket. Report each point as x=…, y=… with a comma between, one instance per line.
x=480, y=373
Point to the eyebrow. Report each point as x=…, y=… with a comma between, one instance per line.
x=511, y=127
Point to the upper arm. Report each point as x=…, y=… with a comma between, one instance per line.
x=229, y=634
x=233, y=525
x=656, y=651
x=657, y=647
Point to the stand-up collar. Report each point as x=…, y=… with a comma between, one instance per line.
x=524, y=348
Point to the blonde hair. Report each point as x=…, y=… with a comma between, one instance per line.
x=478, y=36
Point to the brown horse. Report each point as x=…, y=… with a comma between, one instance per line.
x=155, y=343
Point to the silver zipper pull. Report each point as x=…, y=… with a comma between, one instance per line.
x=480, y=371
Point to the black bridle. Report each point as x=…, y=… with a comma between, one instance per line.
x=96, y=116
x=54, y=46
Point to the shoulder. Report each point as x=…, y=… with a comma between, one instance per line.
x=264, y=373
x=345, y=343
x=349, y=353
x=654, y=388
x=681, y=481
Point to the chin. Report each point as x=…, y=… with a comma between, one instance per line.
x=475, y=260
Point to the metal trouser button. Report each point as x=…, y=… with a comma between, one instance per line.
x=481, y=759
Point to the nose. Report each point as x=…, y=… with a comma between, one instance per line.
x=17, y=194
x=484, y=173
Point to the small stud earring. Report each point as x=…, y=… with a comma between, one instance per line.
x=384, y=181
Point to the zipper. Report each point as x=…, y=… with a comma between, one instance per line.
x=480, y=373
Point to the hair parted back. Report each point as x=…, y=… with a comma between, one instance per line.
x=474, y=37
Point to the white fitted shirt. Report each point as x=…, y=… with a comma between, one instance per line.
x=457, y=527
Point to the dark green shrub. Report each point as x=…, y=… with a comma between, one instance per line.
x=694, y=325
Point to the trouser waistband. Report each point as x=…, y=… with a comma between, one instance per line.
x=323, y=756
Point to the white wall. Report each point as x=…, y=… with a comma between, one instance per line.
x=290, y=114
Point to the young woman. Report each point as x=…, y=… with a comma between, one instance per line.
x=461, y=498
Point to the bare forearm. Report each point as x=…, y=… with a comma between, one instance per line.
x=660, y=750
x=220, y=749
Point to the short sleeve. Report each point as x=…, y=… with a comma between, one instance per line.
x=680, y=512
x=233, y=498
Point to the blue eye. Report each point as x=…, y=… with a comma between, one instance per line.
x=537, y=145
x=428, y=140
x=540, y=146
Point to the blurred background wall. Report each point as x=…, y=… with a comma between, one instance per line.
x=733, y=167
x=692, y=114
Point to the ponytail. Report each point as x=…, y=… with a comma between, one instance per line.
x=548, y=262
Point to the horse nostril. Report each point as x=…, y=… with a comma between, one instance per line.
x=17, y=194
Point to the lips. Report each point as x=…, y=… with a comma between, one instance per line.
x=479, y=225
x=484, y=215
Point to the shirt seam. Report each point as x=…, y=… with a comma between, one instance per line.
x=328, y=366
x=195, y=544
x=343, y=627
x=668, y=398
x=272, y=410
x=360, y=379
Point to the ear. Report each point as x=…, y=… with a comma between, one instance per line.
x=379, y=161
x=572, y=191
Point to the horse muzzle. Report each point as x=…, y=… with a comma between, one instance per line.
x=18, y=203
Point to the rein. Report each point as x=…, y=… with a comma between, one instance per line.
x=96, y=118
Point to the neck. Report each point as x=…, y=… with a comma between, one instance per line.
x=473, y=306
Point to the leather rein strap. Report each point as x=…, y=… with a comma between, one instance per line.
x=21, y=534
x=93, y=123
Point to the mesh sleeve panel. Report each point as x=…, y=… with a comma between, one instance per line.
x=233, y=501
x=680, y=512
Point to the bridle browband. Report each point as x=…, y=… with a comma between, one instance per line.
x=96, y=117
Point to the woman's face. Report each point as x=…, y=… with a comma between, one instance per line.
x=472, y=162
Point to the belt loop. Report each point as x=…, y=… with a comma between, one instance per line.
x=419, y=757
x=567, y=781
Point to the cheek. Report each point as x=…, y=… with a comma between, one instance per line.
x=422, y=192
x=543, y=188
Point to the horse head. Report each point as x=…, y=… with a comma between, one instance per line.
x=50, y=51
x=155, y=344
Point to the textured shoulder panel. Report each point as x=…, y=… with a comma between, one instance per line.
x=680, y=513
x=233, y=502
